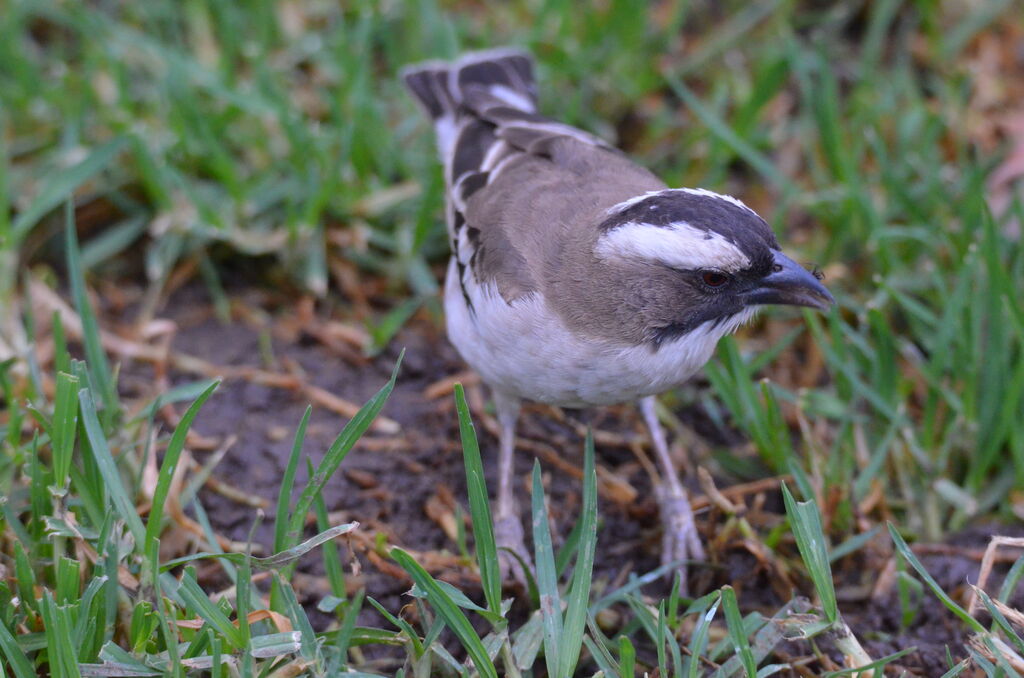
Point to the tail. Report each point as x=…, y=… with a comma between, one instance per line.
x=505, y=74
x=452, y=93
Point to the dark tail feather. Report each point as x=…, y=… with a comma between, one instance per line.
x=428, y=82
x=502, y=74
x=505, y=74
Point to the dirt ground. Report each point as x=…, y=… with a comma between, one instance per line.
x=404, y=481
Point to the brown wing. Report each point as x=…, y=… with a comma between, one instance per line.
x=520, y=185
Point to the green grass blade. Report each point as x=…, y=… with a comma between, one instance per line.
x=1000, y=620
x=17, y=660
x=283, y=516
x=667, y=639
x=348, y=625
x=721, y=129
x=61, y=357
x=905, y=551
x=115, y=489
x=60, y=648
x=65, y=424
x=957, y=669
x=114, y=240
x=479, y=506
x=272, y=562
x=527, y=642
x=645, y=618
x=310, y=648
x=449, y=612
x=810, y=539
x=404, y=626
x=99, y=368
x=194, y=596
x=563, y=558
x=627, y=657
x=339, y=449
x=60, y=185
x=547, y=577
x=1013, y=578
x=700, y=640
x=600, y=655
x=284, y=493
x=333, y=569
x=579, y=593
x=170, y=464
x=727, y=35
x=734, y=623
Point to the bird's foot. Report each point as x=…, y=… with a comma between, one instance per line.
x=508, y=533
x=680, y=542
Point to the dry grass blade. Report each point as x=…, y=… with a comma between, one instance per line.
x=987, y=561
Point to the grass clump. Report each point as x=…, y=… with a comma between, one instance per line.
x=211, y=133
x=91, y=593
x=199, y=134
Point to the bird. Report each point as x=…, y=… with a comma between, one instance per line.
x=577, y=278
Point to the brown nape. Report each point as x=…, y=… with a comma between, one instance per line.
x=545, y=240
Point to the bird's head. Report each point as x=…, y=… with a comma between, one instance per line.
x=700, y=260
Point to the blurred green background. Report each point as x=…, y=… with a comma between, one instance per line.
x=873, y=135
x=883, y=140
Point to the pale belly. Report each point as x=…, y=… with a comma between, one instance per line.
x=524, y=350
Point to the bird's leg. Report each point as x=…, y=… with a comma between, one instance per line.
x=681, y=541
x=508, y=528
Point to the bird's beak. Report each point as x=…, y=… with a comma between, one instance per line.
x=790, y=284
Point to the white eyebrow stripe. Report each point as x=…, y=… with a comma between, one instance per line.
x=678, y=245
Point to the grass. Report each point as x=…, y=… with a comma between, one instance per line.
x=201, y=133
x=65, y=610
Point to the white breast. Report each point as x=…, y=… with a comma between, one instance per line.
x=525, y=350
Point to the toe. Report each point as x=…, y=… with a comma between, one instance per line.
x=508, y=533
x=681, y=541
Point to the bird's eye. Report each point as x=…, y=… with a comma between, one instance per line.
x=714, y=278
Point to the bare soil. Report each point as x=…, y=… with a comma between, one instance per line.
x=402, y=486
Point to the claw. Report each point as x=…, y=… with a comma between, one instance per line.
x=508, y=533
x=680, y=541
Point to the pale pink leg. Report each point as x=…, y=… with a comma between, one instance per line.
x=508, y=527
x=681, y=541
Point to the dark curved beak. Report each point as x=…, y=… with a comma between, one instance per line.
x=790, y=284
